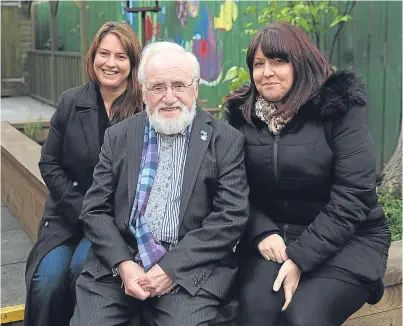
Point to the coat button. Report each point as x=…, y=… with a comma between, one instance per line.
x=46, y=224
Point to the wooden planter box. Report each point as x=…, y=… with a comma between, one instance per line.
x=42, y=134
x=22, y=187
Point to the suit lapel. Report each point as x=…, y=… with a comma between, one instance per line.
x=89, y=123
x=135, y=139
x=198, y=144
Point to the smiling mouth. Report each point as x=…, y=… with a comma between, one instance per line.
x=169, y=109
x=109, y=72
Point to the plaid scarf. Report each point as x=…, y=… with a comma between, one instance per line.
x=149, y=252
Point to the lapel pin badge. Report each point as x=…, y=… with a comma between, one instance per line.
x=203, y=135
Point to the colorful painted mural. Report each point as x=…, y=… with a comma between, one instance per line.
x=198, y=26
x=208, y=49
x=186, y=8
x=228, y=16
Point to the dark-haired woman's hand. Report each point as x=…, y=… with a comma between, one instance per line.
x=273, y=248
x=288, y=275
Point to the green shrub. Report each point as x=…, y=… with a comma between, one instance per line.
x=393, y=211
x=33, y=128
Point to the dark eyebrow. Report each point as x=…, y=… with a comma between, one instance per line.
x=103, y=49
x=280, y=56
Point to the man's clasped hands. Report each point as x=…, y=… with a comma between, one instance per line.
x=141, y=284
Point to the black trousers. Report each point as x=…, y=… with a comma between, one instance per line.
x=318, y=301
x=104, y=303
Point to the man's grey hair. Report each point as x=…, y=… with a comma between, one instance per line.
x=155, y=48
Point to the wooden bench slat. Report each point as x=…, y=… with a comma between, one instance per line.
x=391, y=300
x=393, y=273
x=387, y=318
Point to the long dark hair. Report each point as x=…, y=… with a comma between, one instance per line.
x=289, y=42
x=131, y=100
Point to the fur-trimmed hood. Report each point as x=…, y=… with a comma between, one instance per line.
x=340, y=92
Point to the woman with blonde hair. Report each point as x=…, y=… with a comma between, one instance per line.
x=67, y=162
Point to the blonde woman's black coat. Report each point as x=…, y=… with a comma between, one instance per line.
x=67, y=163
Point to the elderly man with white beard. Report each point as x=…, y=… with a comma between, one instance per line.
x=169, y=202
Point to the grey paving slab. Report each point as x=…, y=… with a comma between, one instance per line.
x=24, y=108
x=8, y=221
x=16, y=323
x=15, y=246
x=13, y=290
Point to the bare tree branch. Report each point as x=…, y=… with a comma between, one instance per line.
x=340, y=26
x=315, y=32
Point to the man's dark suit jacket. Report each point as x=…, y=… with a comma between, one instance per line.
x=213, y=212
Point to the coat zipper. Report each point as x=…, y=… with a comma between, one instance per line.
x=275, y=172
x=275, y=157
x=285, y=233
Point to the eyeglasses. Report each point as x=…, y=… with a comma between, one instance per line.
x=177, y=87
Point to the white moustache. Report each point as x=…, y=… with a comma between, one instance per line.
x=170, y=126
x=175, y=105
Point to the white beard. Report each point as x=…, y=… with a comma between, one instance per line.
x=171, y=126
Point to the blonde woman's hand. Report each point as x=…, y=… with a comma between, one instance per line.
x=273, y=248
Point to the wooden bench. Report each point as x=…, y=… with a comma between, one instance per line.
x=24, y=192
x=387, y=312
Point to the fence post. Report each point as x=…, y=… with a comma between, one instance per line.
x=53, y=40
x=83, y=36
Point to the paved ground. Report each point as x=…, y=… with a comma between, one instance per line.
x=15, y=243
x=15, y=247
x=24, y=108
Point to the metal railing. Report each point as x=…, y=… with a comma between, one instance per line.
x=50, y=74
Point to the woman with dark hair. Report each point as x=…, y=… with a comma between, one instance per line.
x=316, y=246
x=67, y=163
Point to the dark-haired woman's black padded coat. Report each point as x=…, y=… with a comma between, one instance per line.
x=320, y=172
